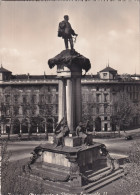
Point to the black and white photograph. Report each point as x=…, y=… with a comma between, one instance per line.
x=70, y=97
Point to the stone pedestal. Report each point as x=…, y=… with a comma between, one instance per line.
x=68, y=164
x=73, y=141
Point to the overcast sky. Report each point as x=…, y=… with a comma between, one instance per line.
x=107, y=31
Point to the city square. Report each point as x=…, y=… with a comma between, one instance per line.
x=73, y=130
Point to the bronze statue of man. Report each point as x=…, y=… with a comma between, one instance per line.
x=66, y=32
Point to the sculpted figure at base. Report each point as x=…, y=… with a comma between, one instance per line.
x=61, y=131
x=85, y=133
x=66, y=32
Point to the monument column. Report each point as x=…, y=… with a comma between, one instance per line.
x=61, y=99
x=78, y=100
x=70, y=103
x=69, y=69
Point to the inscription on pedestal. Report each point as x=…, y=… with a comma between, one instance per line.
x=55, y=158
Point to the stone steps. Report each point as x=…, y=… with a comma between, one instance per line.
x=97, y=179
x=94, y=174
x=93, y=186
x=53, y=187
x=49, y=186
x=46, y=172
x=56, y=168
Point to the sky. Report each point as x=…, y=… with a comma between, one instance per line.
x=108, y=33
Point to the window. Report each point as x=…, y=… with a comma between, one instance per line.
x=105, y=97
x=49, y=88
x=56, y=106
x=54, y=98
x=24, y=111
x=16, y=110
x=0, y=76
x=33, y=99
x=41, y=99
x=50, y=98
x=97, y=97
x=56, y=88
x=105, y=108
x=33, y=109
x=41, y=110
x=105, y=118
x=115, y=108
x=104, y=74
x=97, y=110
x=54, y=110
x=15, y=99
x=97, y=88
x=137, y=96
x=7, y=111
x=131, y=96
x=24, y=99
x=90, y=97
x=7, y=98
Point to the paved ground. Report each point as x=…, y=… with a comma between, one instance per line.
x=117, y=146
x=22, y=149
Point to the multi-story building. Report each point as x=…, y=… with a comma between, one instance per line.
x=30, y=102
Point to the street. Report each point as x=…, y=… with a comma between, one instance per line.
x=118, y=145
x=22, y=149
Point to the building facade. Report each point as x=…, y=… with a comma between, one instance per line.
x=29, y=103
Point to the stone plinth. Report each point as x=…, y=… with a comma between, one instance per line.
x=72, y=141
x=68, y=164
x=84, y=156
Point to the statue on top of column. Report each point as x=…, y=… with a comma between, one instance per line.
x=66, y=32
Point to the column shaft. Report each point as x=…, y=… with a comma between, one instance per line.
x=62, y=100
x=70, y=105
x=78, y=101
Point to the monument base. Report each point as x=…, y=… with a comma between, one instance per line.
x=65, y=169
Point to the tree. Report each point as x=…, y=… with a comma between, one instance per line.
x=126, y=77
x=123, y=111
x=12, y=176
x=9, y=110
x=129, y=184
x=3, y=119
